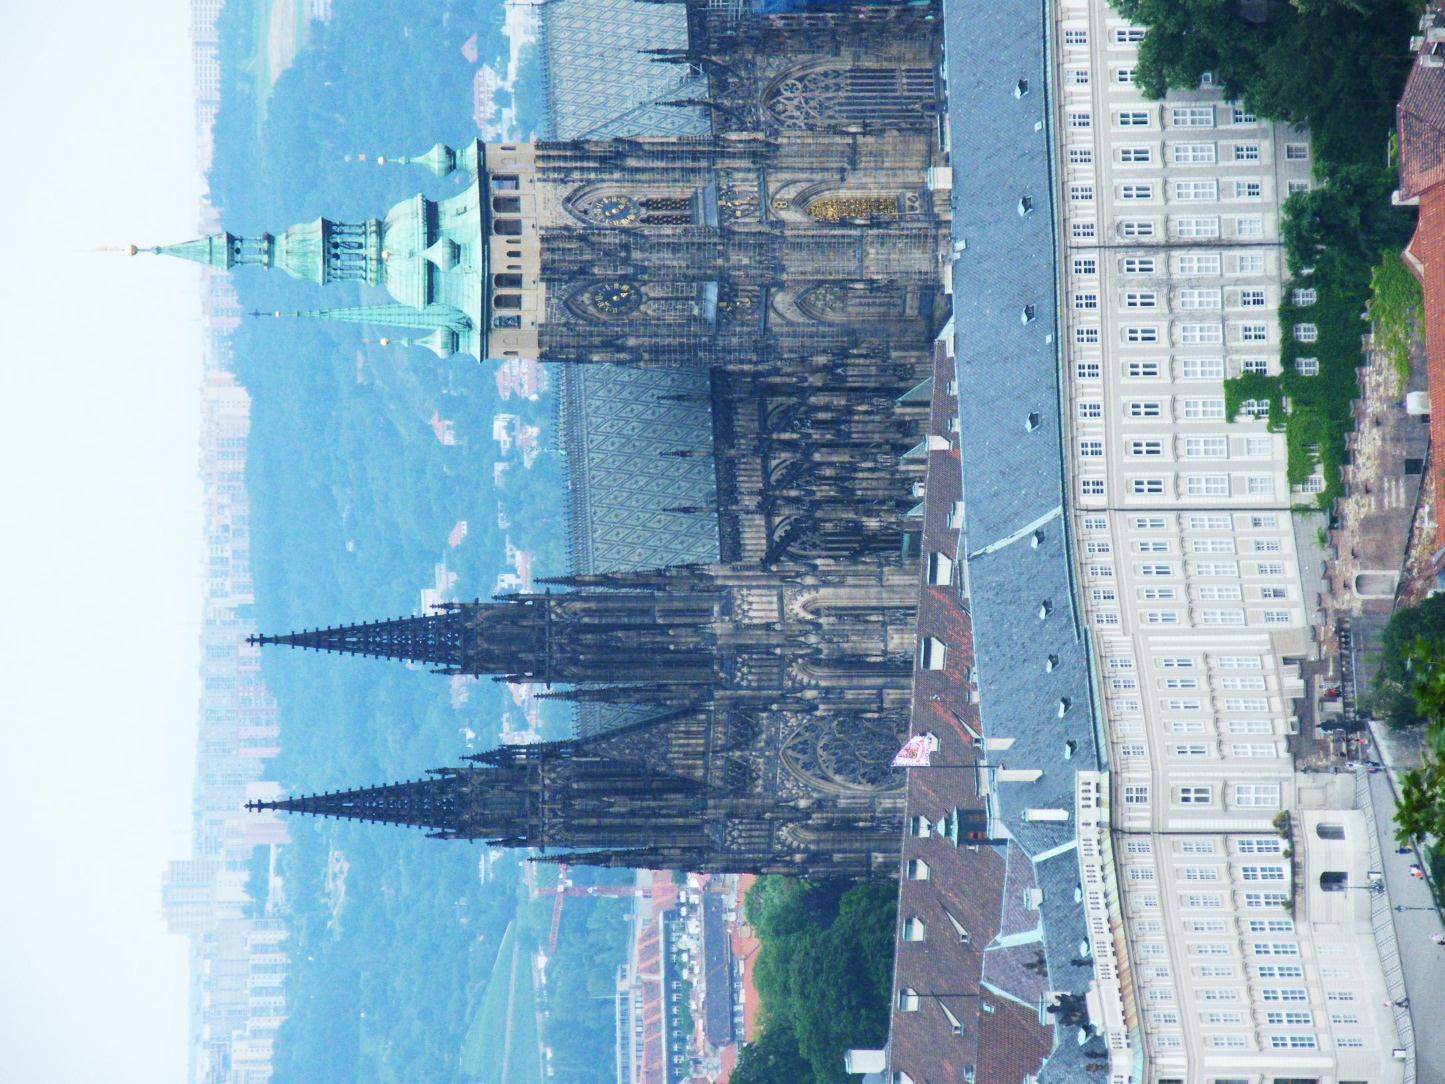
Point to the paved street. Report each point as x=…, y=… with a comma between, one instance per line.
x=1423, y=961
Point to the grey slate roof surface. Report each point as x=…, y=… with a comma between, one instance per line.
x=617, y=425
x=597, y=80
x=1008, y=369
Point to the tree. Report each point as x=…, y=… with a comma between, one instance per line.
x=1394, y=696
x=1420, y=813
x=770, y=1058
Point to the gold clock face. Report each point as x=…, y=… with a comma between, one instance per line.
x=615, y=298
x=616, y=210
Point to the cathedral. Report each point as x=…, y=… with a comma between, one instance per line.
x=792, y=257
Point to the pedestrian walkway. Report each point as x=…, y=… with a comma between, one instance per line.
x=1405, y=918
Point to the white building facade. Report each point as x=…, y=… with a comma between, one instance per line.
x=1241, y=884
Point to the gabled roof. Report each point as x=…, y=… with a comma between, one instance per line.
x=1420, y=118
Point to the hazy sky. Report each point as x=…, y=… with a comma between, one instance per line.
x=100, y=537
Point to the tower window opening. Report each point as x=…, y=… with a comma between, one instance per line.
x=507, y=301
x=508, y=227
x=507, y=205
x=505, y=183
x=507, y=282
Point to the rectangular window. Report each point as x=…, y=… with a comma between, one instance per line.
x=1146, y=447
x=1080, y=119
x=1136, y=228
x=1295, y=187
x=1086, y=302
x=1292, y=1042
x=1194, y=298
x=1086, y=265
x=1221, y=617
x=1182, y=704
x=1210, y=523
x=1090, y=409
x=1251, y=299
x=1246, y=703
x=1076, y=37
x=1253, y=333
x=1201, y=334
x=1264, y=900
x=1159, y=594
x=1249, y=226
x=1197, y=263
x=1081, y=193
x=1197, y=226
x=1252, y=749
x=1086, y=370
x=1246, y=152
x=1256, y=795
x=1081, y=231
x=1190, y=751
x=1196, y=191
x=1132, y=118
x=1241, y=117
x=1148, y=523
x=1199, y=846
x=1081, y=156
x=1259, y=485
x=1306, y=333
x=1307, y=366
x=1218, y=592
x=1203, y=369
x=1302, y=296
x=1281, y=971
x=1250, y=726
x=1206, y=485
x=1160, y=617
x=1077, y=77
x=1128, y=35
x=1249, y=264
x=1136, y=794
x=1204, y=409
x=1205, y=901
x=1152, y=545
x=1146, y=408
x=1156, y=570
x=1284, y=993
x=1138, y=265
x=1248, y=190
x=1296, y=152
x=1086, y=336
x=1141, y=299
x=1216, y=568
x=1216, y=995
x=1175, y=662
x=1091, y=487
x=1289, y=1017
x=1091, y=448
x=1141, y=334
x=1146, y=487
x=1258, y=447
x=1124, y=77
x=1192, y=116
x=1234, y=683
x=1135, y=156
x=1142, y=370
x=1239, y=662
x=1136, y=191
x=1206, y=448
x=1196, y=795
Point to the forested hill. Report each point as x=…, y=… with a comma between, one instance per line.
x=354, y=503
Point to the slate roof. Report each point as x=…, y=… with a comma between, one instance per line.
x=1029, y=650
x=597, y=82
x=617, y=423
x=960, y=1029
